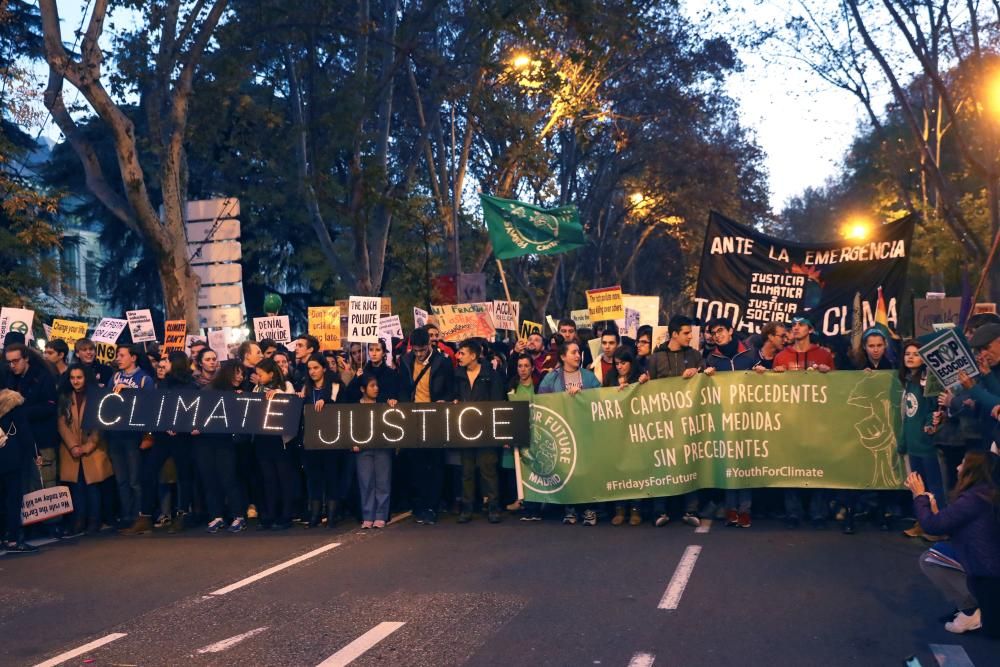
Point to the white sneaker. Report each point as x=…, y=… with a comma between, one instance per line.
x=589, y=518
x=964, y=623
x=691, y=519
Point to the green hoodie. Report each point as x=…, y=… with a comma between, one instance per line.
x=918, y=412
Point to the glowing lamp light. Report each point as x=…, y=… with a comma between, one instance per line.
x=520, y=61
x=857, y=230
x=636, y=198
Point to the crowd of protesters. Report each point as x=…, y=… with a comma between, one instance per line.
x=136, y=483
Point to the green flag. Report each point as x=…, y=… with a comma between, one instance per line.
x=517, y=228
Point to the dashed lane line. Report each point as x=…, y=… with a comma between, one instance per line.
x=277, y=568
x=69, y=655
x=675, y=589
x=220, y=646
x=359, y=646
x=642, y=660
x=950, y=655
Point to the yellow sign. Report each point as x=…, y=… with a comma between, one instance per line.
x=106, y=352
x=528, y=327
x=68, y=330
x=605, y=303
x=324, y=324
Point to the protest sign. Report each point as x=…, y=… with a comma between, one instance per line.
x=140, y=324
x=217, y=343
x=553, y=326
x=753, y=279
x=728, y=431
x=947, y=355
x=471, y=287
x=528, y=327
x=458, y=322
x=928, y=312
x=275, y=327
x=581, y=318
x=174, y=333
x=629, y=325
x=106, y=352
x=48, y=331
x=184, y=411
x=506, y=314
x=45, y=504
x=362, y=319
x=419, y=317
x=17, y=320
x=605, y=303
x=108, y=330
x=377, y=426
x=389, y=328
x=660, y=335
x=324, y=324
x=648, y=307
x=68, y=330
x=981, y=308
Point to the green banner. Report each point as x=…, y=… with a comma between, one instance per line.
x=517, y=228
x=728, y=431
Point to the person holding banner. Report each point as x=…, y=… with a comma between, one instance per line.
x=17, y=451
x=920, y=422
x=328, y=471
x=428, y=377
x=215, y=457
x=274, y=456
x=625, y=373
x=374, y=467
x=676, y=358
x=521, y=387
x=773, y=339
x=571, y=378
x=125, y=446
x=85, y=353
x=83, y=456
x=478, y=382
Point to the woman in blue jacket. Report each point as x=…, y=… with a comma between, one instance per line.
x=972, y=519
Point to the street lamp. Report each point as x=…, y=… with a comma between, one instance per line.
x=520, y=61
x=857, y=229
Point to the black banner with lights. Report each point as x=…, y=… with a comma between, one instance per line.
x=153, y=410
x=418, y=425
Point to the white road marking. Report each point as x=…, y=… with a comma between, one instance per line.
x=357, y=648
x=950, y=655
x=220, y=646
x=706, y=525
x=41, y=541
x=277, y=568
x=675, y=589
x=642, y=660
x=69, y=655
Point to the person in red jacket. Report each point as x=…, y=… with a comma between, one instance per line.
x=803, y=354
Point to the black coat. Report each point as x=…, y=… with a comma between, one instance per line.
x=20, y=444
x=489, y=385
x=442, y=381
x=41, y=400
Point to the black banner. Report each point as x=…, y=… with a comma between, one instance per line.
x=418, y=425
x=206, y=411
x=753, y=279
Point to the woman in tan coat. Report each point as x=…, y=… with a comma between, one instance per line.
x=83, y=456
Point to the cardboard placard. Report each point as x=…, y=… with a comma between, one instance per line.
x=528, y=327
x=108, y=330
x=389, y=328
x=506, y=314
x=605, y=303
x=581, y=318
x=324, y=324
x=174, y=335
x=140, y=324
x=946, y=355
x=420, y=318
x=68, y=330
x=45, y=504
x=106, y=352
x=458, y=322
x=648, y=307
x=363, y=318
x=17, y=320
x=928, y=312
x=275, y=327
x=217, y=343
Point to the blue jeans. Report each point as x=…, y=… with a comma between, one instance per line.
x=126, y=460
x=929, y=468
x=375, y=481
x=817, y=504
x=739, y=500
x=86, y=501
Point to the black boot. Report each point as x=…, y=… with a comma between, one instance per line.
x=493, y=515
x=848, y=522
x=331, y=513
x=315, y=513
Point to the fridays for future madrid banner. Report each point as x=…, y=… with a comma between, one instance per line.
x=730, y=431
x=752, y=278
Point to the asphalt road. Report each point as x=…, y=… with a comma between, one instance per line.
x=476, y=594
